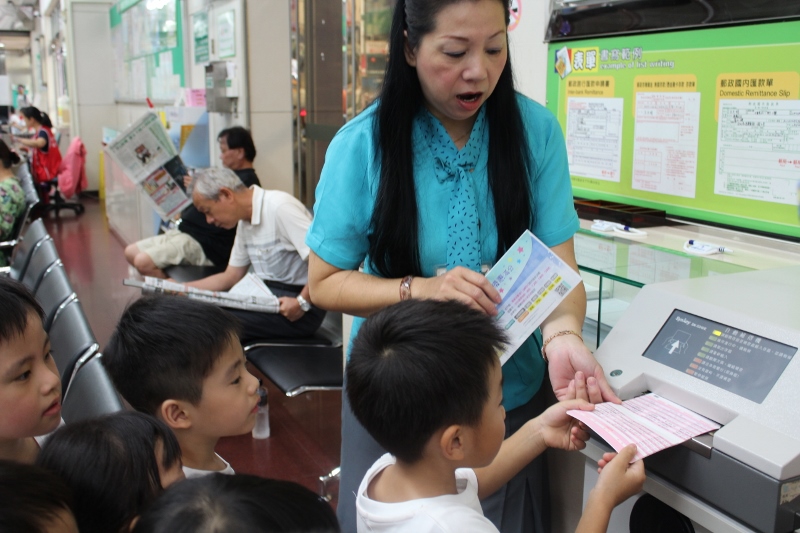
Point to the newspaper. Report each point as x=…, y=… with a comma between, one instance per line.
x=250, y=294
x=148, y=157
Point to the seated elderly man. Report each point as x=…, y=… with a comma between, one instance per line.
x=271, y=228
x=194, y=241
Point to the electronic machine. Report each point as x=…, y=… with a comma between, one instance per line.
x=725, y=347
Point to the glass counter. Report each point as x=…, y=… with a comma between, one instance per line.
x=614, y=269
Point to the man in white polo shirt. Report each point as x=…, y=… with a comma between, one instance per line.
x=270, y=235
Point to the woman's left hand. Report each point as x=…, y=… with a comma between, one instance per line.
x=568, y=356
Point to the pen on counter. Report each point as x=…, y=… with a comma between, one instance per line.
x=704, y=248
x=622, y=228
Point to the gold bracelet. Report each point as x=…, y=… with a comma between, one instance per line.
x=553, y=336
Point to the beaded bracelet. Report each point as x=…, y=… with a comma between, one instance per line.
x=405, y=288
x=559, y=334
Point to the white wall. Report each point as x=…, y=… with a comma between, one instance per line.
x=92, y=84
x=269, y=71
x=529, y=51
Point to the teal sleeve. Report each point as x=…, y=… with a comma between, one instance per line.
x=345, y=197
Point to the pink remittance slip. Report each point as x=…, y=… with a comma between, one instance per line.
x=649, y=421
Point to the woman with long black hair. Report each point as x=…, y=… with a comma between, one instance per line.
x=46, y=155
x=428, y=188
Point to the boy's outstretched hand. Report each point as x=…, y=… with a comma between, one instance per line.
x=619, y=478
x=560, y=430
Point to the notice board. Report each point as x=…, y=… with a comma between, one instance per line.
x=702, y=123
x=147, y=39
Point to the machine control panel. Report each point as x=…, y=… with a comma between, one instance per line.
x=735, y=360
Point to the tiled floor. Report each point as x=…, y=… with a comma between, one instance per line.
x=305, y=436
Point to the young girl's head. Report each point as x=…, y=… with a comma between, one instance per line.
x=30, y=387
x=115, y=465
x=218, y=503
x=34, y=499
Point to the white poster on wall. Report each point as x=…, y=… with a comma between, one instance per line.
x=226, y=34
x=758, y=150
x=594, y=137
x=666, y=132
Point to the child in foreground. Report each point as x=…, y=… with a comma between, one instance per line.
x=217, y=504
x=30, y=385
x=34, y=500
x=181, y=361
x=115, y=465
x=425, y=381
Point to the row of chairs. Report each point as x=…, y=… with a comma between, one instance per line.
x=88, y=390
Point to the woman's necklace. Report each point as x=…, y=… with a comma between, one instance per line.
x=461, y=140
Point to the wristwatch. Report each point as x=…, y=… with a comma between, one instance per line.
x=304, y=305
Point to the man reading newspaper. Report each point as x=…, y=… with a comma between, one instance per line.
x=270, y=235
x=195, y=242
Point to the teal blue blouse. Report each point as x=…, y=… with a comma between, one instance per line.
x=346, y=192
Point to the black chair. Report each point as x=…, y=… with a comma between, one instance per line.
x=296, y=366
x=54, y=291
x=328, y=335
x=299, y=369
x=90, y=393
x=57, y=202
x=30, y=240
x=41, y=259
x=71, y=339
x=23, y=174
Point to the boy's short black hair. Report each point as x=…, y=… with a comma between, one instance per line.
x=164, y=347
x=217, y=503
x=16, y=306
x=111, y=466
x=419, y=366
x=239, y=137
x=30, y=497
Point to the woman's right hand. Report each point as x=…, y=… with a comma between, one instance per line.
x=460, y=284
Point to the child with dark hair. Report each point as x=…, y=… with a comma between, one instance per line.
x=30, y=386
x=425, y=381
x=34, y=500
x=181, y=361
x=115, y=465
x=219, y=504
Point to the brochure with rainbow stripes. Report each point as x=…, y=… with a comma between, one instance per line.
x=532, y=281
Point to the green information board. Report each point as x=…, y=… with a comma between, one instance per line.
x=704, y=124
